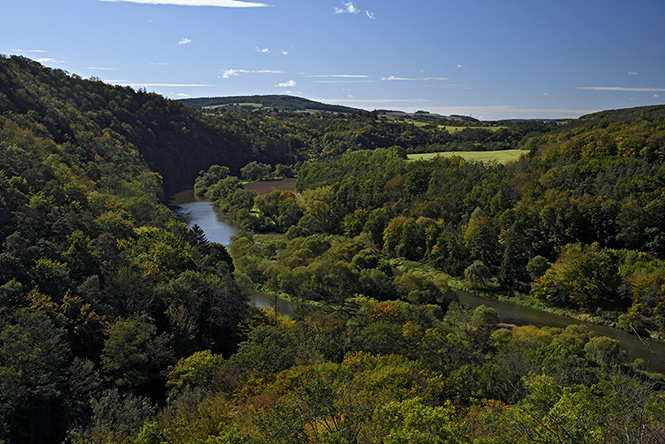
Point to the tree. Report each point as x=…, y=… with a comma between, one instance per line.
x=587, y=278
x=477, y=274
x=256, y=171
x=135, y=356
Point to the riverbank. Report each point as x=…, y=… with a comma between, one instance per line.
x=518, y=311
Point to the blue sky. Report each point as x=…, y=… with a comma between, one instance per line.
x=491, y=59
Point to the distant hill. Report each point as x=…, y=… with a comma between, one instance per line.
x=254, y=103
x=425, y=115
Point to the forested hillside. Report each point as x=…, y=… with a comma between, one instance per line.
x=118, y=324
x=101, y=288
x=269, y=102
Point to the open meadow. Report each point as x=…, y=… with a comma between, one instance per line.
x=503, y=156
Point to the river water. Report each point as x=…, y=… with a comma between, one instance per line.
x=201, y=213
x=220, y=230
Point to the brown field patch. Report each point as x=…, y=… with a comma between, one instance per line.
x=268, y=186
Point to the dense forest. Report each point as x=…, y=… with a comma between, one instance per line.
x=119, y=324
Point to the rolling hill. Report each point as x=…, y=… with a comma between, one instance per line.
x=253, y=103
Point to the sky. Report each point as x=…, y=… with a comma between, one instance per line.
x=490, y=59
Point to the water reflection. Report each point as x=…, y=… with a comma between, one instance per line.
x=200, y=212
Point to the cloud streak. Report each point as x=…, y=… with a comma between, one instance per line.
x=343, y=76
x=29, y=50
x=216, y=3
x=184, y=41
x=619, y=88
x=48, y=60
x=228, y=73
x=287, y=84
x=411, y=79
x=171, y=85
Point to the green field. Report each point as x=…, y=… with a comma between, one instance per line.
x=454, y=129
x=449, y=128
x=503, y=156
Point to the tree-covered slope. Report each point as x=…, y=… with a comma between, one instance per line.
x=101, y=287
x=280, y=102
x=101, y=119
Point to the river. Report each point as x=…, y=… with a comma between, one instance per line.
x=217, y=229
x=201, y=213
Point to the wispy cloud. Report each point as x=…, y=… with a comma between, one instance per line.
x=48, y=60
x=217, y=3
x=287, y=84
x=508, y=112
x=228, y=73
x=391, y=78
x=284, y=52
x=100, y=69
x=184, y=41
x=356, y=100
x=29, y=50
x=348, y=8
x=370, y=14
x=459, y=66
x=619, y=88
x=170, y=85
x=345, y=76
x=632, y=73
x=263, y=50
x=342, y=78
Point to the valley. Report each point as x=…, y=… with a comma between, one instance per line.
x=121, y=323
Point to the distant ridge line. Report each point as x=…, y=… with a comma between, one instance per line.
x=257, y=102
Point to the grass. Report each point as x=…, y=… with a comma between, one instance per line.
x=503, y=156
x=450, y=128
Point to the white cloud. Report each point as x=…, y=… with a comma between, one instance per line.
x=228, y=73
x=348, y=7
x=656, y=96
x=370, y=14
x=354, y=100
x=632, y=73
x=171, y=85
x=29, y=50
x=182, y=95
x=619, y=88
x=217, y=3
x=344, y=76
x=459, y=66
x=184, y=41
x=287, y=84
x=391, y=78
x=284, y=52
x=263, y=50
x=48, y=60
